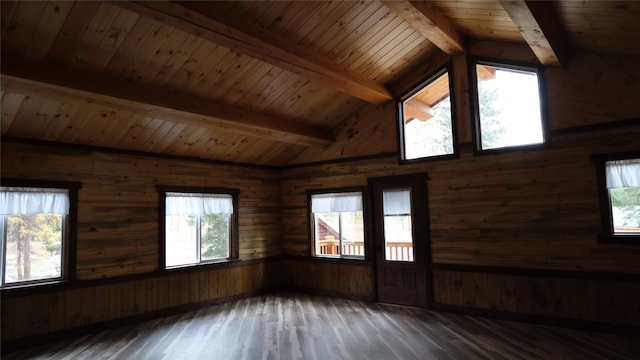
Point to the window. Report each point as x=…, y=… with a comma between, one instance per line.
x=508, y=106
x=38, y=232
x=200, y=226
x=337, y=224
x=620, y=197
x=425, y=125
x=398, y=234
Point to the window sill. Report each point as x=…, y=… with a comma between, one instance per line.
x=619, y=239
x=26, y=288
x=201, y=266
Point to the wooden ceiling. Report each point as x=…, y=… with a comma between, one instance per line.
x=255, y=81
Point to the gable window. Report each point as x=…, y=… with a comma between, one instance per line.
x=425, y=125
x=199, y=227
x=337, y=225
x=37, y=238
x=620, y=198
x=508, y=105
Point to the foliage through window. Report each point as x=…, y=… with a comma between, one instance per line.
x=623, y=192
x=337, y=224
x=508, y=106
x=198, y=228
x=34, y=226
x=425, y=119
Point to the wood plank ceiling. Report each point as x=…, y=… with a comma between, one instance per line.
x=254, y=81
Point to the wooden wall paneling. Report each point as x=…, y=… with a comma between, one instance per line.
x=193, y=281
x=203, y=286
x=53, y=17
x=164, y=292
x=184, y=288
x=86, y=54
x=69, y=35
x=11, y=103
x=102, y=298
x=570, y=102
x=73, y=308
x=7, y=9
x=214, y=285
x=585, y=299
x=22, y=25
x=463, y=113
x=141, y=293
x=120, y=63
x=155, y=65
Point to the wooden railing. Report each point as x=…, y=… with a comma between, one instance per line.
x=395, y=251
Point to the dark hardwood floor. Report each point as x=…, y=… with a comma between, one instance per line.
x=297, y=326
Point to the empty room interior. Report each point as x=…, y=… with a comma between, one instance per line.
x=320, y=179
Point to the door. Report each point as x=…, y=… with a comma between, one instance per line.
x=401, y=239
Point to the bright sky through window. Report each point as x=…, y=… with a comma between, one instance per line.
x=510, y=113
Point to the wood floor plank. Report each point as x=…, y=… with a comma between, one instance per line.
x=299, y=326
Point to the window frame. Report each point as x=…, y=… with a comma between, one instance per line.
x=606, y=231
x=365, y=218
x=476, y=134
x=448, y=69
x=234, y=236
x=69, y=233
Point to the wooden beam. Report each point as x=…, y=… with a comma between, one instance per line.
x=58, y=83
x=246, y=38
x=541, y=27
x=416, y=110
x=424, y=17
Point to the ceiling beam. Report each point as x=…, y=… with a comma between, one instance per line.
x=541, y=27
x=425, y=18
x=62, y=83
x=416, y=110
x=247, y=38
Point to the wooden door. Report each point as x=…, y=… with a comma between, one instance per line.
x=401, y=239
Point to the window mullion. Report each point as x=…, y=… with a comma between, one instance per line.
x=198, y=239
x=340, y=214
x=3, y=247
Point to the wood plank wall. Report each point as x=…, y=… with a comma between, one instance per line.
x=536, y=210
x=116, y=301
x=118, y=202
x=118, y=236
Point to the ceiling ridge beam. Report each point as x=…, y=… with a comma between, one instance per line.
x=425, y=18
x=541, y=27
x=224, y=29
x=52, y=81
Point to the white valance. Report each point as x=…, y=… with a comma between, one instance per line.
x=336, y=202
x=396, y=202
x=32, y=201
x=623, y=173
x=197, y=204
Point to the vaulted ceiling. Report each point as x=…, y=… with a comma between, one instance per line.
x=255, y=81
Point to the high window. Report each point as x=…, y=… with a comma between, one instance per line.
x=200, y=226
x=620, y=198
x=337, y=224
x=508, y=106
x=36, y=224
x=425, y=125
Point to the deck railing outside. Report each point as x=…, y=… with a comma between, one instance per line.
x=395, y=251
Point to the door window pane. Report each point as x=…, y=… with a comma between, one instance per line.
x=398, y=234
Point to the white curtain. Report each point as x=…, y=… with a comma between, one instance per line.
x=396, y=202
x=194, y=204
x=623, y=173
x=32, y=201
x=336, y=202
